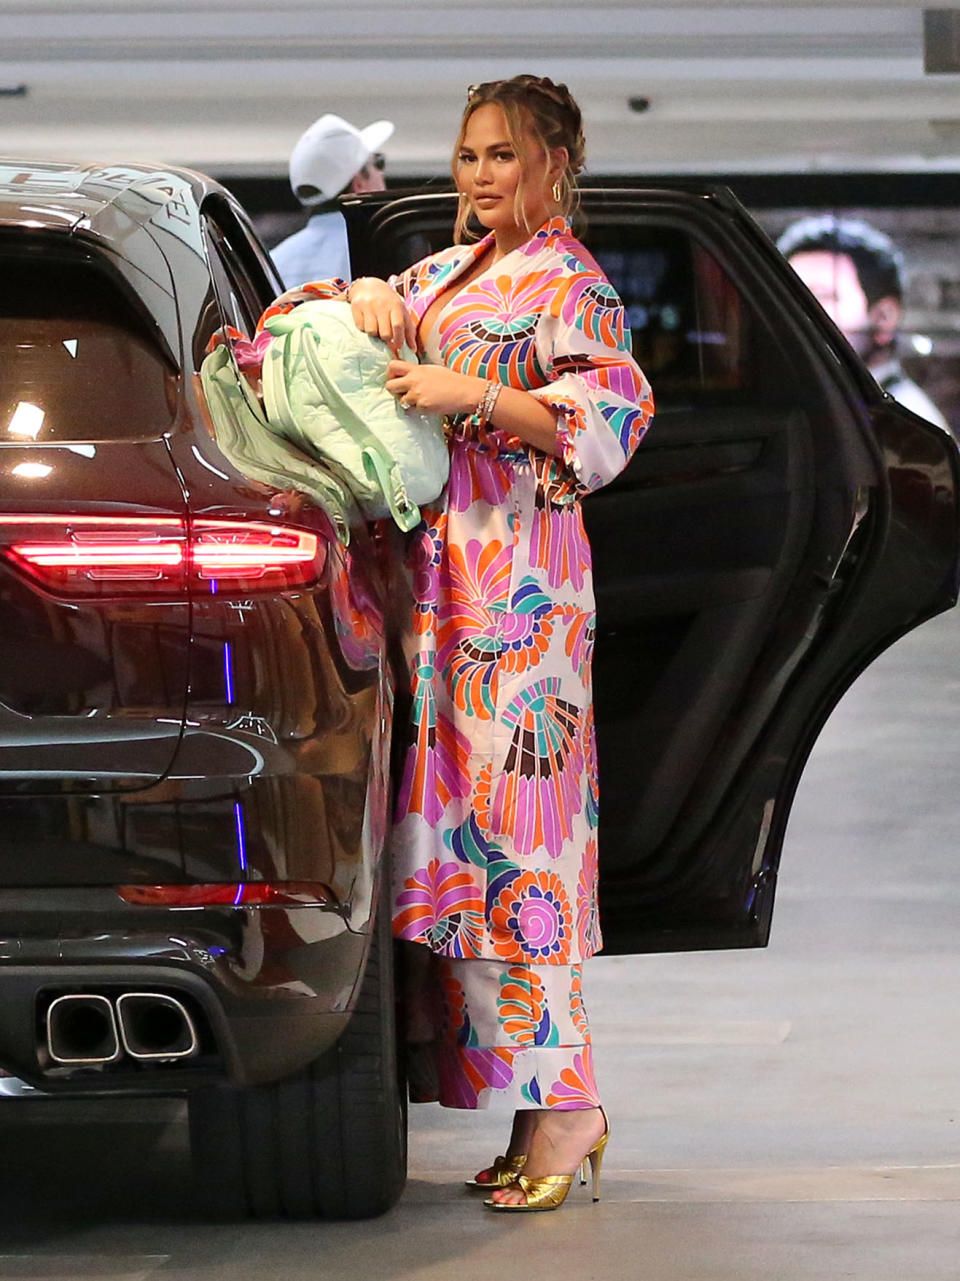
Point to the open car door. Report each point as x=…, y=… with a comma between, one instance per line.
x=782, y=522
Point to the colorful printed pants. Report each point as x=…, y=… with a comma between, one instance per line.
x=482, y=1031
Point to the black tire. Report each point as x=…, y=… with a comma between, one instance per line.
x=328, y=1142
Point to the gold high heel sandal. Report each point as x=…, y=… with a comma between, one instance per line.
x=504, y=1170
x=550, y=1191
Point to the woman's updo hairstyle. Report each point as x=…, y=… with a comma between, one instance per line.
x=549, y=113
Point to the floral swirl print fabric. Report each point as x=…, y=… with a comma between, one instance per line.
x=513, y=1035
x=494, y=847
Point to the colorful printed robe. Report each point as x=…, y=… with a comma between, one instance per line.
x=494, y=849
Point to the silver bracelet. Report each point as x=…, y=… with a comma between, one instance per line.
x=488, y=402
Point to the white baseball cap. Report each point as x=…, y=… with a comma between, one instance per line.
x=328, y=155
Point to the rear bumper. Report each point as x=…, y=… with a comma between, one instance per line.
x=269, y=989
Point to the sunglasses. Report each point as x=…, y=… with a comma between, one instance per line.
x=377, y=161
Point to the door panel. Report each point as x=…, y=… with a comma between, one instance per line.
x=699, y=538
x=698, y=561
x=731, y=556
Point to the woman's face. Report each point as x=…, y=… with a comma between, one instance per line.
x=489, y=170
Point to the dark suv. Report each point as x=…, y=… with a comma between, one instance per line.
x=197, y=688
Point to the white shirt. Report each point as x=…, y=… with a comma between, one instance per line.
x=319, y=251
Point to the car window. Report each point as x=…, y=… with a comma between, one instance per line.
x=252, y=282
x=714, y=325
x=231, y=302
x=78, y=360
x=238, y=305
x=695, y=332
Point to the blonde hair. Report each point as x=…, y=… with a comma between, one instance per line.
x=548, y=112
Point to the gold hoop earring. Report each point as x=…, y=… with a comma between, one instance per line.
x=557, y=192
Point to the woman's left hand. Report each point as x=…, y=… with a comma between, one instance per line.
x=433, y=389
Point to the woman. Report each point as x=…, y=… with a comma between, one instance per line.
x=525, y=351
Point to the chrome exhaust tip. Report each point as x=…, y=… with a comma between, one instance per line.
x=82, y=1029
x=156, y=1026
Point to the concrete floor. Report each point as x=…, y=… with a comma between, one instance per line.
x=785, y=1115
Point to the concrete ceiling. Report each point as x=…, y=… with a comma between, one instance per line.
x=227, y=85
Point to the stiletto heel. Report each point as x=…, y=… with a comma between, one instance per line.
x=550, y=1191
x=595, y=1157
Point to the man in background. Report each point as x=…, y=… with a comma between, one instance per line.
x=331, y=157
x=855, y=272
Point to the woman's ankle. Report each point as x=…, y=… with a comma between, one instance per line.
x=524, y=1124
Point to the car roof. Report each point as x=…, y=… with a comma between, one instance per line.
x=146, y=216
x=53, y=195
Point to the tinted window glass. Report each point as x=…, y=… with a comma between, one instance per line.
x=240, y=308
x=695, y=333
x=77, y=360
x=251, y=286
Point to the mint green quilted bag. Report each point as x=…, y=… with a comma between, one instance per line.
x=246, y=439
x=324, y=391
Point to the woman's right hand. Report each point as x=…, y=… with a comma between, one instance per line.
x=379, y=310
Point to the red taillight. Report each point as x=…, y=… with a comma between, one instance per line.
x=254, y=553
x=119, y=555
x=237, y=894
